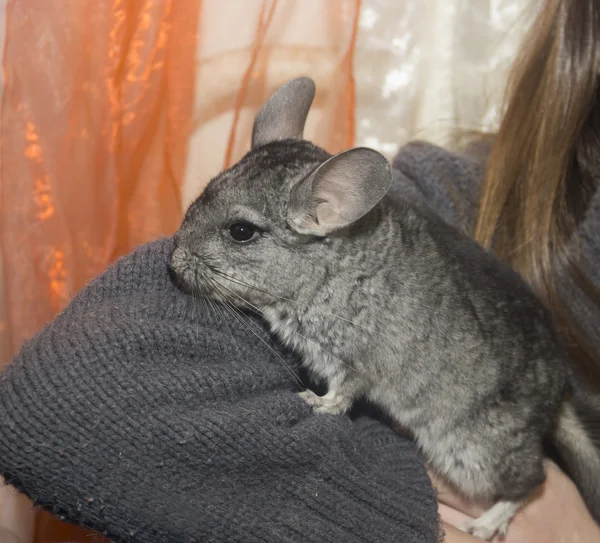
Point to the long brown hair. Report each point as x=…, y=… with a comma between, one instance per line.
x=545, y=163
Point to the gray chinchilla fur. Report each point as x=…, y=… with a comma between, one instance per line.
x=386, y=302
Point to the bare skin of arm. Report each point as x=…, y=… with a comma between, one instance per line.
x=17, y=517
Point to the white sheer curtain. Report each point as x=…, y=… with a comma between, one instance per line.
x=426, y=68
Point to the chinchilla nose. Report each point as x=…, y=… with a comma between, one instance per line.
x=176, y=268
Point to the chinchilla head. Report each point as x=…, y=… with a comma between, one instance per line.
x=269, y=227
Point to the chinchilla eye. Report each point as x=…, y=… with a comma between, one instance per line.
x=242, y=231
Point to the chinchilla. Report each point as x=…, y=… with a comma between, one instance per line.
x=384, y=301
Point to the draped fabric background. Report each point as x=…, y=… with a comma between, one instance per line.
x=116, y=114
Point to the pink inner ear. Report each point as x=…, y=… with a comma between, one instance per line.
x=327, y=214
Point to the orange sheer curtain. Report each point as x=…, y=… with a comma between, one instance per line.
x=96, y=116
x=101, y=100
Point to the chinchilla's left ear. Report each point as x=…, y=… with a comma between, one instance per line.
x=283, y=116
x=339, y=192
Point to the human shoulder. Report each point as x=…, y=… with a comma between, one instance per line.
x=447, y=180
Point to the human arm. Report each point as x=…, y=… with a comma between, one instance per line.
x=146, y=416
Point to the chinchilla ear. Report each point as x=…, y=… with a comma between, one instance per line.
x=340, y=191
x=284, y=114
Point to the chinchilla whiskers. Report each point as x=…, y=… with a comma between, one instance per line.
x=241, y=318
x=220, y=309
x=201, y=299
x=247, y=303
x=225, y=276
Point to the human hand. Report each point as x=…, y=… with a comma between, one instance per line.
x=556, y=513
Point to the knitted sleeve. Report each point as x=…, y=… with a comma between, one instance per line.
x=152, y=416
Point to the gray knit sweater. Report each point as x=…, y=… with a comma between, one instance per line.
x=450, y=184
x=149, y=416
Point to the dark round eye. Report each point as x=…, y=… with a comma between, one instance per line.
x=242, y=231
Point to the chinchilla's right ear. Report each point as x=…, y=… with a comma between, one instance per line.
x=284, y=114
